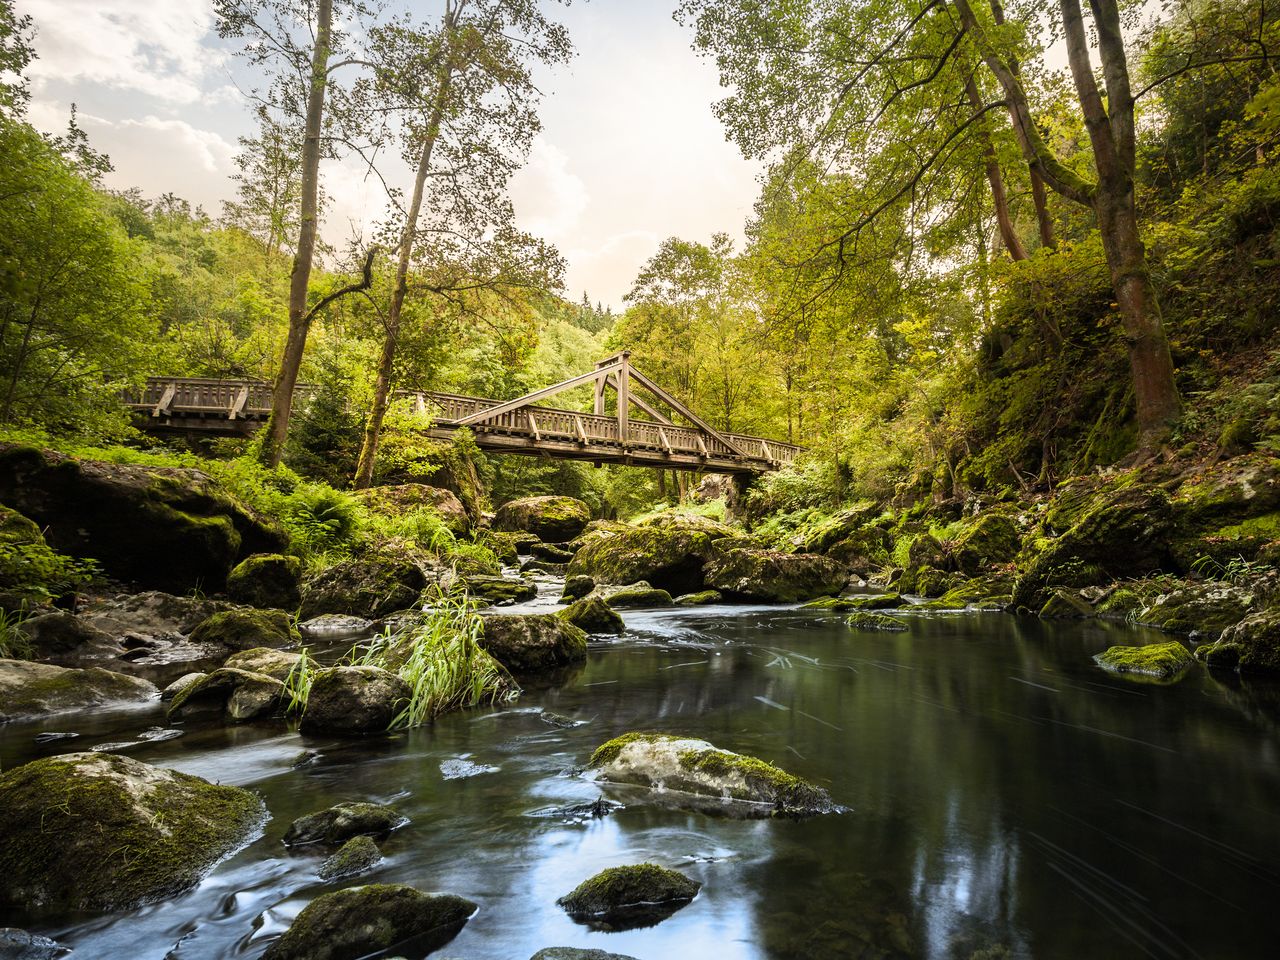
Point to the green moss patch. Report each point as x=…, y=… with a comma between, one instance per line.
x=1163, y=661
x=630, y=896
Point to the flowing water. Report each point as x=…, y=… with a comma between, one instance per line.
x=1004, y=795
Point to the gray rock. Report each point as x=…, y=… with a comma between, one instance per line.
x=273, y=663
x=30, y=689
x=342, y=822
x=17, y=944
x=358, y=855
x=593, y=615
x=575, y=953
x=63, y=638
x=621, y=898
x=354, y=700
x=531, y=643
x=238, y=694
x=184, y=681
x=330, y=625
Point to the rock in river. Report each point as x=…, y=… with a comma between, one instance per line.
x=354, y=700
x=100, y=832
x=365, y=921
x=623, y=898
x=773, y=576
x=358, y=855
x=1163, y=661
x=239, y=694
x=30, y=689
x=691, y=766
x=1252, y=646
x=245, y=629
x=531, y=643
x=343, y=821
x=670, y=558
x=577, y=953
x=593, y=615
x=550, y=519
x=20, y=945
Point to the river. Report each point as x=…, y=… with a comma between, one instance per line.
x=1003, y=794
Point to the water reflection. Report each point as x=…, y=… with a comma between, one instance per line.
x=1007, y=799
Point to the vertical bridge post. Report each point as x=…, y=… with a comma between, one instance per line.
x=624, y=398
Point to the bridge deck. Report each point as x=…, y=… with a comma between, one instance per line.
x=242, y=406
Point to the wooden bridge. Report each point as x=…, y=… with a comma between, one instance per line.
x=520, y=426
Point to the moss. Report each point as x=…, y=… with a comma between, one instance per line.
x=1161, y=660
x=866, y=620
x=1121, y=602
x=832, y=603
x=639, y=596
x=246, y=629
x=619, y=887
x=551, y=519
x=532, y=643
x=993, y=538
x=266, y=580
x=575, y=588
x=608, y=752
x=343, y=822
x=103, y=832
x=499, y=590
x=700, y=599
x=367, y=920
x=38, y=689
x=883, y=601
x=358, y=855
x=1065, y=604
x=593, y=615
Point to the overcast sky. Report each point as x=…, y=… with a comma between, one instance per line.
x=630, y=154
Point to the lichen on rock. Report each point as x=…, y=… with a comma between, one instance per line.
x=1163, y=661
x=551, y=519
x=692, y=766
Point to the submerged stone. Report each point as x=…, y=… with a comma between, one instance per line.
x=1163, y=661
x=623, y=898
x=691, y=766
x=30, y=689
x=358, y=855
x=343, y=821
x=365, y=921
x=101, y=832
x=593, y=615
x=866, y=620
x=577, y=953
x=703, y=598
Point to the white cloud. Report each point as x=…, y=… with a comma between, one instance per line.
x=549, y=198
x=157, y=47
x=606, y=271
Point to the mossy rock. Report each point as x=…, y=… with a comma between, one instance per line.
x=637, y=596
x=1064, y=604
x=862, y=552
x=61, y=637
x=101, y=832
x=354, y=701
x=772, y=576
x=237, y=694
x=544, y=566
x=509, y=545
x=267, y=580
x=400, y=499
x=932, y=583
x=577, y=953
x=29, y=690
x=1252, y=646
x=1163, y=661
x=833, y=603
x=577, y=587
x=500, y=590
x=343, y=822
x=32, y=574
x=702, y=598
x=593, y=615
x=881, y=601
x=621, y=898
x=365, y=921
x=550, y=553
x=358, y=855
x=1120, y=603
x=533, y=643
x=274, y=663
x=377, y=583
x=1201, y=611
x=985, y=592
x=866, y=620
x=821, y=536
x=993, y=538
x=687, y=765
x=246, y=629
x=167, y=528
x=669, y=558
x=550, y=519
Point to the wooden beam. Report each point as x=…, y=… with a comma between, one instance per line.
x=702, y=446
x=238, y=404
x=533, y=427
x=166, y=399
x=644, y=405
x=684, y=411
x=529, y=398
x=666, y=444
x=582, y=433
x=624, y=399
x=768, y=454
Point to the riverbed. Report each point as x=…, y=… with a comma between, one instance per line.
x=1003, y=793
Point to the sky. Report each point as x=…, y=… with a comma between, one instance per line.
x=630, y=153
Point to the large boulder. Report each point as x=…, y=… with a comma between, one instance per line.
x=168, y=528
x=669, y=557
x=635, y=596
x=246, y=629
x=773, y=576
x=687, y=765
x=30, y=690
x=532, y=643
x=101, y=832
x=592, y=615
x=396, y=500
x=32, y=573
x=993, y=538
x=151, y=615
x=1119, y=532
x=550, y=519
x=1202, y=611
x=342, y=822
x=1230, y=510
x=267, y=580
x=62, y=637
x=822, y=536
x=354, y=700
x=274, y=663
x=863, y=552
x=370, y=586
x=366, y=921
x=1252, y=646
x=500, y=590
x=637, y=895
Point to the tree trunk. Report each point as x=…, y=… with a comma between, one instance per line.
x=1008, y=233
x=299, y=322
x=387, y=359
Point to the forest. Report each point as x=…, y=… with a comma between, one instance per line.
x=1010, y=280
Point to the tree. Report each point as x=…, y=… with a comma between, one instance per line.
x=268, y=188
x=298, y=39
x=16, y=54
x=466, y=100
